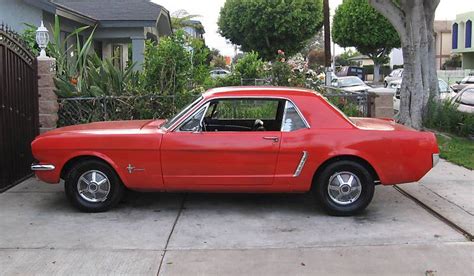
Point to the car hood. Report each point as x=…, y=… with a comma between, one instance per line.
x=378, y=124
x=115, y=127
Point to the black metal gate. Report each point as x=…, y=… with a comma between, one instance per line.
x=18, y=108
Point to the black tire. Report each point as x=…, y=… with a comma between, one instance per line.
x=321, y=183
x=116, y=188
x=385, y=84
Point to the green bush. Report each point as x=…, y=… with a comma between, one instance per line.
x=444, y=116
x=250, y=66
x=29, y=37
x=167, y=65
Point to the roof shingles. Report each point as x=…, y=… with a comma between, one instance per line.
x=113, y=10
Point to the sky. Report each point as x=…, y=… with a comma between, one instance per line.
x=209, y=14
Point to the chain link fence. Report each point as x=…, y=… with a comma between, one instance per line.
x=73, y=111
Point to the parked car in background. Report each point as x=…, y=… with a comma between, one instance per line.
x=445, y=92
x=350, y=84
x=463, y=83
x=396, y=74
x=465, y=99
x=218, y=73
x=240, y=139
x=351, y=71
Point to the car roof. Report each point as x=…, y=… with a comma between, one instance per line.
x=272, y=91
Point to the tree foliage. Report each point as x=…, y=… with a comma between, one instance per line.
x=357, y=24
x=266, y=26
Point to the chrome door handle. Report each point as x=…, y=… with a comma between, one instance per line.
x=273, y=138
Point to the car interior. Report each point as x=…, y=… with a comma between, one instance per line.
x=244, y=115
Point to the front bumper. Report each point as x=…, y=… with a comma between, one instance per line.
x=42, y=167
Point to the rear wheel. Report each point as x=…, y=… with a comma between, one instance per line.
x=344, y=188
x=93, y=186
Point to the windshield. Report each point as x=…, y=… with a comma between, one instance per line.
x=467, y=97
x=346, y=82
x=185, y=110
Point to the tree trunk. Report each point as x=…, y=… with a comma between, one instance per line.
x=376, y=71
x=413, y=20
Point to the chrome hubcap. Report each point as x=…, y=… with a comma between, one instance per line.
x=344, y=188
x=93, y=186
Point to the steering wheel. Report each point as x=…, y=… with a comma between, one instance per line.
x=258, y=125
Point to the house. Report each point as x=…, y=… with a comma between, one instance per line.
x=462, y=38
x=194, y=28
x=442, y=30
x=362, y=60
x=120, y=24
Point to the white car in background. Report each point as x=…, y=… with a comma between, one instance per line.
x=465, y=99
x=445, y=92
x=350, y=84
x=219, y=73
x=395, y=75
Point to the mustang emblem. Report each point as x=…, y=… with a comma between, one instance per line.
x=131, y=169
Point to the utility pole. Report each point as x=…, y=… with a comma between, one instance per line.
x=327, y=42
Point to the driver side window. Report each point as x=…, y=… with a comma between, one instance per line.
x=238, y=114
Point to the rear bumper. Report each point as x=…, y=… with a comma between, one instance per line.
x=42, y=167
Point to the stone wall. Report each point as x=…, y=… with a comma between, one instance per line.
x=382, y=103
x=48, y=101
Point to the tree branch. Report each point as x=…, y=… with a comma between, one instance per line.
x=393, y=13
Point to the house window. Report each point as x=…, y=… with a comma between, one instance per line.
x=455, y=35
x=468, y=33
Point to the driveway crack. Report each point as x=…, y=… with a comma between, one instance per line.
x=181, y=208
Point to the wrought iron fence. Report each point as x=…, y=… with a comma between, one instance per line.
x=352, y=104
x=73, y=111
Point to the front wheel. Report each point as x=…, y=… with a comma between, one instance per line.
x=344, y=188
x=93, y=186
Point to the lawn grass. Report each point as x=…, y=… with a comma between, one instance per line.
x=457, y=150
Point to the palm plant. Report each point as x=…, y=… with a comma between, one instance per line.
x=182, y=19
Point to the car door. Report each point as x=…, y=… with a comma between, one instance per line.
x=224, y=144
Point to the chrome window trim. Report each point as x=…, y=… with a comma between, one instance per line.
x=300, y=167
x=178, y=124
x=42, y=167
x=171, y=128
x=205, y=107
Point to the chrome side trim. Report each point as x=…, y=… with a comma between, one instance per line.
x=42, y=167
x=301, y=164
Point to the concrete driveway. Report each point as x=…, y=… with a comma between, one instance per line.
x=221, y=234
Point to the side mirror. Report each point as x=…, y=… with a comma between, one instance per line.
x=458, y=82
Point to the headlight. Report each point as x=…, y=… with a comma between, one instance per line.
x=435, y=159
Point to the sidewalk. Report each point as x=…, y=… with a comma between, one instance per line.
x=448, y=190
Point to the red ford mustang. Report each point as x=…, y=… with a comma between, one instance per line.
x=243, y=139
